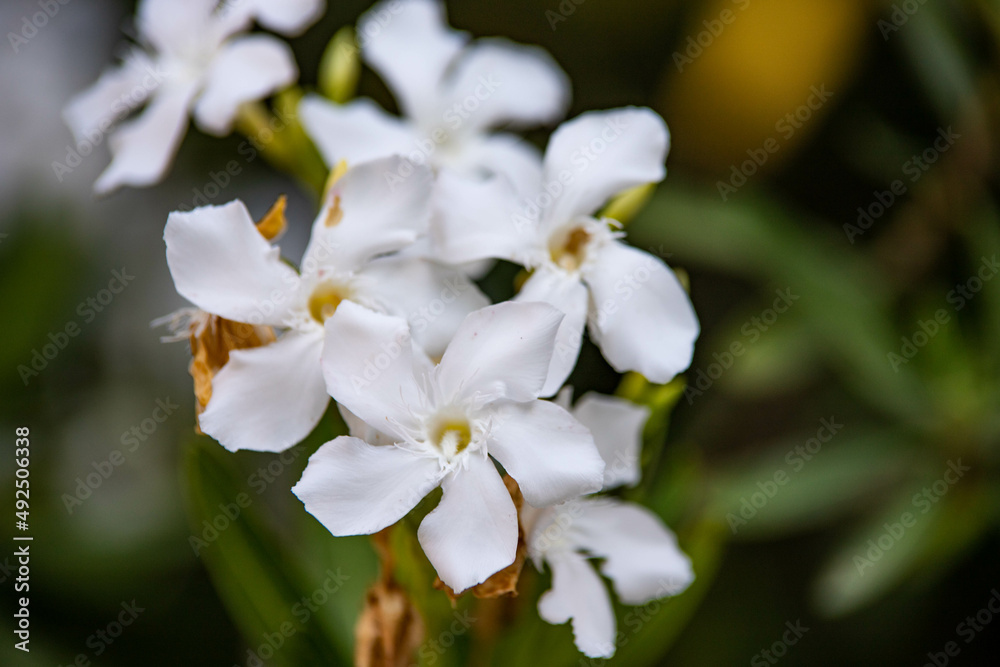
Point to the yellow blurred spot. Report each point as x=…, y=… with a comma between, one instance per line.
x=274, y=222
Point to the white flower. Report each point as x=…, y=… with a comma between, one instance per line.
x=445, y=423
x=452, y=94
x=288, y=17
x=269, y=398
x=189, y=62
x=638, y=312
x=639, y=554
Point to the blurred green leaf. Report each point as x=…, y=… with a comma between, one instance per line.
x=842, y=298
x=258, y=583
x=796, y=486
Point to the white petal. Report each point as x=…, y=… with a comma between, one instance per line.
x=505, y=154
x=642, y=319
x=497, y=82
x=358, y=131
x=369, y=365
x=221, y=263
x=500, y=352
x=268, y=398
x=550, y=454
x=172, y=25
x=641, y=556
x=360, y=429
x=143, y=147
x=617, y=426
x=569, y=295
x=371, y=214
x=578, y=593
x=244, y=70
x=472, y=533
x=119, y=91
x=434, y=299
x=288, y=17
x=354, y=488
x=603, y=153
x=409, y=43
x=479, y=219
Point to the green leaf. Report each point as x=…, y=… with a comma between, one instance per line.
x=256, y=579
x=800, y=484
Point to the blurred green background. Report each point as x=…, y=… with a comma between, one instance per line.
x=805, y=111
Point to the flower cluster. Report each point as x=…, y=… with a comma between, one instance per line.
x=439, y=388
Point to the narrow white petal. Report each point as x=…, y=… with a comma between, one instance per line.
x=472, y=533
x=354, y=488
x=118, y=92
x=366, y=214
x=578, y=593
x=642, y=319
x=602, y=153
x=550, y=454
x=268, y=398
x=641, y=556
x=500, y=352
x=480, y=219
x=221, y=263
x=616, y=425
x=409, y=43
x=434, y=299
x=499, y=83
x=143, y=147
x=569, y=295
x=358, y=131
x=369, y=365
x=244, y=70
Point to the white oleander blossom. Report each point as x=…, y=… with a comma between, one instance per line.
x=453, y=95
x=190, y=60
x=288, y=17
x=638, y=312
x=444, y=423
x=638, y=553
x=269, y=398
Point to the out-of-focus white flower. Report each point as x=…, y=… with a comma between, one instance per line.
x=639, y=554
x=269, y=398
x=453, y=94
x=189, y=61
x=638, y=312
x=445, y=422
x=288, y=17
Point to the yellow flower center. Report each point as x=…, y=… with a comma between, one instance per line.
x=451, y=436
x=325, y=299
x=569, y=249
